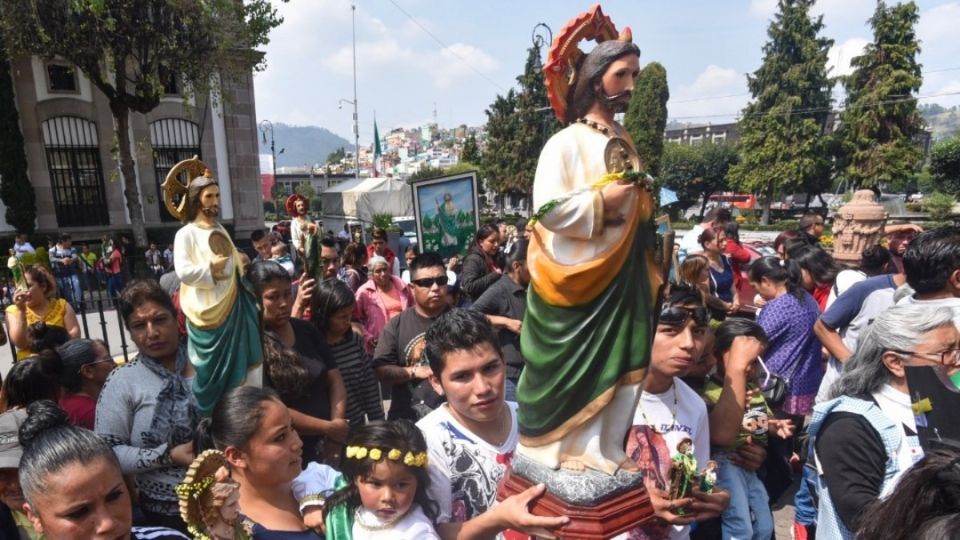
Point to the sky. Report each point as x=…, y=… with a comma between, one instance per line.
x=448, y=59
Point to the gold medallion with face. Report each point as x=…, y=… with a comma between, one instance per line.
x=620, y=157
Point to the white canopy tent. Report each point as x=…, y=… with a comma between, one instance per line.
x=359, y=199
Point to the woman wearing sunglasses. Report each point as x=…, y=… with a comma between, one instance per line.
x=82, y=366
x=866, y=436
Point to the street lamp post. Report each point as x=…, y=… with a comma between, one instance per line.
x=356, y=135
x=267, y=126
x=356, y=127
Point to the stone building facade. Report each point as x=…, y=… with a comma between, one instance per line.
x=69, y=137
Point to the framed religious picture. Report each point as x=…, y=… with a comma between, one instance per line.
x=447, y=213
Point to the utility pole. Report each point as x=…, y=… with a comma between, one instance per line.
x=356, y=125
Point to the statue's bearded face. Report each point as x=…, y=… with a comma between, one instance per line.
x=616, y=85
x=210, y=201
x=301, y=206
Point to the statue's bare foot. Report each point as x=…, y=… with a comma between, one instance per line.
x=573, y=465
x=629, y=465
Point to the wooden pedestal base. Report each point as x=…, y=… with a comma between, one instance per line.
x=605, y=520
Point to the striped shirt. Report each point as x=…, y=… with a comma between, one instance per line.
x=363, y=390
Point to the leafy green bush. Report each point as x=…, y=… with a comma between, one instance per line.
x=939, y=205
x=383, y=221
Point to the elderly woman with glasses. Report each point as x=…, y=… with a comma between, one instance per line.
x=381, y=298
x=866, y=436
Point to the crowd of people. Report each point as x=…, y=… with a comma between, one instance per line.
x=806, y=381
x=88, y=268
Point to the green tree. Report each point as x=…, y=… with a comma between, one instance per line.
x=535, y=123
x=336, y=155
x=518, y=125
x=306, y=189
x=132, y=49
x=945, y=165
x=470, y=152
x=426, y=172
x=880, y=118
x=939, y=205
x=15, y=188
x=646, y=117
x=697, y=171
x=782, y=137
x=499, y=166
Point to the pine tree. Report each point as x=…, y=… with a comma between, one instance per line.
x=498, y=160
x=880, y=118
x=782, y=144
x=470, y=152
x=646, y=117
x=536, y=121
x=15, y=188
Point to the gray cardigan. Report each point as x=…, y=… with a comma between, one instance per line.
x=142, y=417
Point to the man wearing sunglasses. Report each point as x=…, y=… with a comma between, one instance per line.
x=670, y=412
x=397, y=358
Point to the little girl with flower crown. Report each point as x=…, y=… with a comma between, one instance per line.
x=383, y=491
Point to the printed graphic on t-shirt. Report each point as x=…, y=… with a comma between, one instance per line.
x=648, y=448
x=473, y=480
x=413, y=352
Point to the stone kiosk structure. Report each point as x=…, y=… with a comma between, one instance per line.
x=857, y=225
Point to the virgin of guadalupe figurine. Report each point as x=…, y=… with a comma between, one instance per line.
x=589, y=319
x=223, y=323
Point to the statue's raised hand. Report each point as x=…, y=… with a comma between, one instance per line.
x=218, y=265
x=615, y=197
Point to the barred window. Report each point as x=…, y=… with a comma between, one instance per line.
x=76, y=173
x=173, y=140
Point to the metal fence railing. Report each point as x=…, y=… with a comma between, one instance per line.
x=96, y=310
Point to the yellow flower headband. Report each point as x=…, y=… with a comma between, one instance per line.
x=409, y=459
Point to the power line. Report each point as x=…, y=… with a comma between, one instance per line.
x=447, y=47
x=834, y=91
x=816, y=109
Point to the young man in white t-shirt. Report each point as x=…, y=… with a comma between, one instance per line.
x=669, y=413
x=471, y=438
